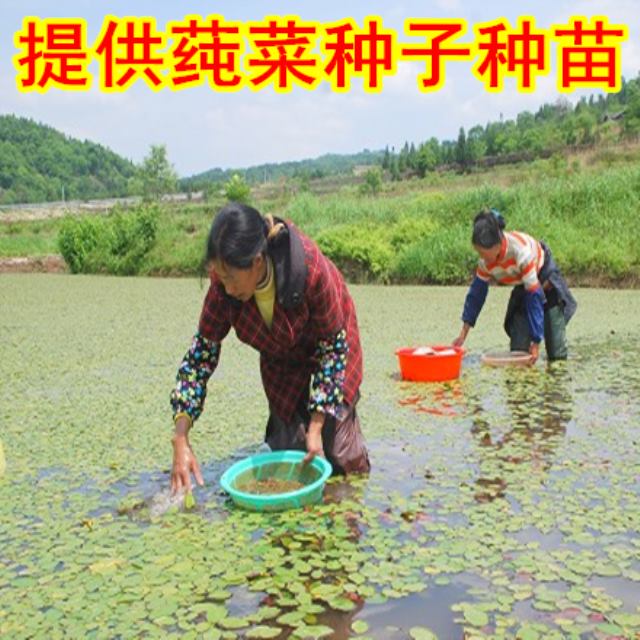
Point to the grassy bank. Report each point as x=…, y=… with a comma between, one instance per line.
x=590, y=221
x=418, y=231
x=24, y=239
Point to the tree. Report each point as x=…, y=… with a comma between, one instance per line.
x=212, y=190
x=631, y=120
x=428, y=157
x=585, y=124
x=372, y=182
x=156, y=176
x=386, y=159
x=237, y=189
x=461, y=149
x=525, y=120
x=403, y=158
x=507, y=139
x=412, y=160
x=532, y=141
x=448, y=151
x=395, y=168
x=476, y=146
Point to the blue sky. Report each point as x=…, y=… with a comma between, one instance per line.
x=204, y=129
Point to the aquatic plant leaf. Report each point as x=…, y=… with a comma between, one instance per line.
x=422, y=633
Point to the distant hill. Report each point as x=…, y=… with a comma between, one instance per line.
x=559, y=127
x=38, y=164
x=330, y=164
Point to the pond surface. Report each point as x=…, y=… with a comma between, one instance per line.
x=503, y=505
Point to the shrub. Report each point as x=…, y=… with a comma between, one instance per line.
x=445, y=257
x=236, y=189
x=116, y=244
x=407, y=231
x=372, y=182
x=77, y=238
x=361, y=252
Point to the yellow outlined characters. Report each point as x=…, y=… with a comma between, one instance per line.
x=282, y=55
x=437, y=32
x=130, y=48
x=205, y=48
x=350, y=51
x=592, y=58
x=521, y=52
x=53, y=53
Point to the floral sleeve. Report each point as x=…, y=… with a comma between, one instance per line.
x=195, y=370
x=328, y=380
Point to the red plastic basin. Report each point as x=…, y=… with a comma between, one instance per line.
x=430, y=367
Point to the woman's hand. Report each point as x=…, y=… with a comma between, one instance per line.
x=314, y=437
x=459, y=341
x=184, y=460
x=534, y=351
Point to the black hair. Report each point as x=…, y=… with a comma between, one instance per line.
x=487, y=228
x=238, y=234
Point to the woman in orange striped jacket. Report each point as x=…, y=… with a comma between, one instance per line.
x=540, y=305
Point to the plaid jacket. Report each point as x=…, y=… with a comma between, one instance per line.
x=312, y=307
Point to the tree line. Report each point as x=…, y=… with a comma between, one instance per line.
x=553, y=128
x=39, y=164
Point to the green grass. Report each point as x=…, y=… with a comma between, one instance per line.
x=23, y=239
x=588, y=218
x=418, y=231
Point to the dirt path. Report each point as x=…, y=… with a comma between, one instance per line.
x=49, y=211
x=43, y=264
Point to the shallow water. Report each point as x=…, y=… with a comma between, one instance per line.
x=504, y=503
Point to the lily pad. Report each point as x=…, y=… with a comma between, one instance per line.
x=422, y=633
x=475, y=616
x=263, y=632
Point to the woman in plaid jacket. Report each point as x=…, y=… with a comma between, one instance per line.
x=288, y=301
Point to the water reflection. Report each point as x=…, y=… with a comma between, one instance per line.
x=518, y=425
x=394, y=619
x=439, y=399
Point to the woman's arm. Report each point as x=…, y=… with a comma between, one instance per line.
x=187, y=401
x=473, y=304
x=188, y=395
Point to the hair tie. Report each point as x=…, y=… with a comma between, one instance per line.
x=273, y=227
x=498, y=217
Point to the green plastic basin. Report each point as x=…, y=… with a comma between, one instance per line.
x=278, y=465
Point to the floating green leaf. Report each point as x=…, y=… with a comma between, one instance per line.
x=475, y=616
x=422, y=633
x=263, y=632
x=189, y=501
x=359, y=626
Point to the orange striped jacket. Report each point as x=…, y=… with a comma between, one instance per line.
x=520, y=259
